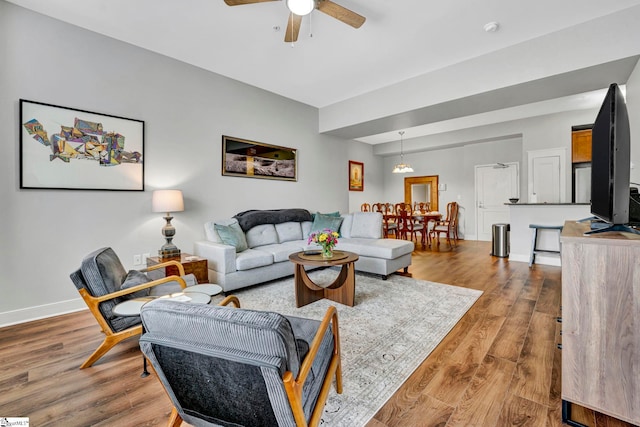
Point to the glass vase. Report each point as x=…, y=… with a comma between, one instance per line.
x=327, y=252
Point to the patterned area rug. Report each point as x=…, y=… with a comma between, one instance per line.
x=392, y=328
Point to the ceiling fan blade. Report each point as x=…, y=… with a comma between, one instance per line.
x=341, y=13
x=241, y=2
x=293, y=28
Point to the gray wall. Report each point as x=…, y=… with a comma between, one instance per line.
x=185, y=109
x=633, y=104
x=455, y=168
x=505, y=142
x=374, y=176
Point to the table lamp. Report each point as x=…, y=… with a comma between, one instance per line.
x=168, y=201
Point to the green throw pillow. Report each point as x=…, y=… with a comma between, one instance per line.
x=336, y=214
x=232, y=235
x=324, y=221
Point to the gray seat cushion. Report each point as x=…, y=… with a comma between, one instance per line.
x=252, y=258
x=282, y=251
x=376, y=248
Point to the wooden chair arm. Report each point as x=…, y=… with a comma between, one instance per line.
x=294, y=386
x=231, y=299
x=165, y=264
x=96, y=300
x=330, y=318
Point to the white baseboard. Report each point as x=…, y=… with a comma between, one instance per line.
x=29, y=314
x=540, y=259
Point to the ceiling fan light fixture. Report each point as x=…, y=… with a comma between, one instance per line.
x=301, y=7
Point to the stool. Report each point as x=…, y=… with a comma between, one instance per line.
x=534, y=241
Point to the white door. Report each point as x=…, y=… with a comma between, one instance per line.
x=495, y=185
x=546, y=179
x=547, y=176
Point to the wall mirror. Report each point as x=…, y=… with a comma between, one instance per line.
x=421, y=189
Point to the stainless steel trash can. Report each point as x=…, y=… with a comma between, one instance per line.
x=500, y=240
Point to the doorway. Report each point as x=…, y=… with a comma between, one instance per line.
x=495, y=185
x=421, y=189
x=547, y=175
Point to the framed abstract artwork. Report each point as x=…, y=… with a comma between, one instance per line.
x=356, y=176
x=70, y=149
x=250, y=159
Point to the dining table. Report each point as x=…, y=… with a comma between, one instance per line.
x=419, y=217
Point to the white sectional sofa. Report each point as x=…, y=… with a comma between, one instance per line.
x=264, y=253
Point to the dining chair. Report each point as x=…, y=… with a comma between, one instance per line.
x=403, y=206
x=365, y=207
x=422, y=207
x=408, y=227
x=390, y=208
x=449, y=225
x=389, y=225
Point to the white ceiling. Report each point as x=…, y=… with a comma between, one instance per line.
x=400, y=39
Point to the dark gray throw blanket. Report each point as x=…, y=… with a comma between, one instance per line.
x=249, y=219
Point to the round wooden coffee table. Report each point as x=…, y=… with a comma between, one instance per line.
x=342, y=289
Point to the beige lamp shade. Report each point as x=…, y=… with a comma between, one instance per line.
x=167, y=201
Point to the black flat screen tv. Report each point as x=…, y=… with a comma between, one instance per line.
x=610, y=163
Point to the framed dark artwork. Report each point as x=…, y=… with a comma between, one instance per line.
x=356, y=176
x=70, y=149
x=250, y=159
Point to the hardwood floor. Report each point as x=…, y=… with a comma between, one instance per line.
x=499, y=366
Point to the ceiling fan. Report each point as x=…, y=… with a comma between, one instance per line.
x=299, y=8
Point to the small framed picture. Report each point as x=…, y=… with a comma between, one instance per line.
x=356, y=176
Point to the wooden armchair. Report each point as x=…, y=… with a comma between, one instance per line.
x=231, y=366
x=449, y=225
x=103, y=283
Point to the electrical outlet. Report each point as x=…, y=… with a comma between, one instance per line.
x=137, y=259
x=144, y=258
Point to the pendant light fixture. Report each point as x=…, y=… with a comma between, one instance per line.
x=402, y=167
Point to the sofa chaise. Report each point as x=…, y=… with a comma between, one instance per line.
x=254, y=246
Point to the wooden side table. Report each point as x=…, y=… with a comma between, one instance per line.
x=342, y=290
x=198, y=267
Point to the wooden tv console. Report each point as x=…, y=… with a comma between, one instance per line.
x=601, y=321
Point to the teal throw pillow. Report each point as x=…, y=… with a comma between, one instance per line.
x=324, y=221
x=336, y=214
x=232, y=235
